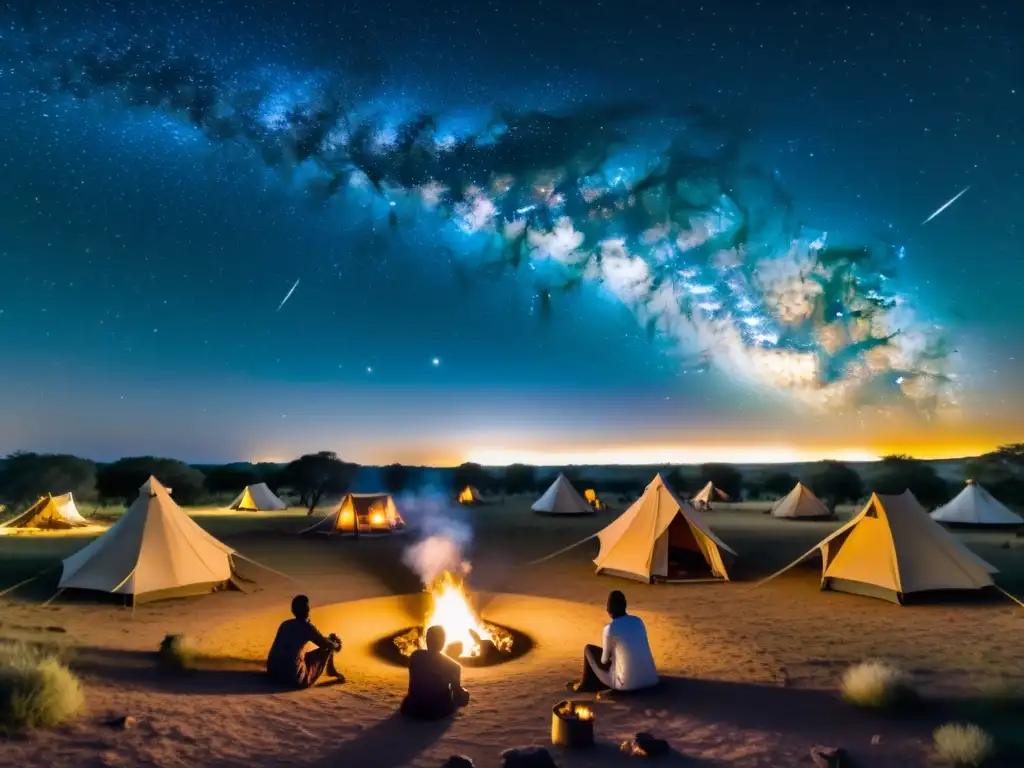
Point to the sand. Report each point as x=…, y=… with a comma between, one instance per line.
x=750, y=674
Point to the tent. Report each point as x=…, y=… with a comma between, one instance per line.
x=892, y=549
x=974, y=506
x=361, y=513
x=257, y=498
x=154, y=551
x=469, y=495
x=708, y=494
x=561, y=499
x=50, y=513
x=801, y=504
x=590, y=495
x=662, y=537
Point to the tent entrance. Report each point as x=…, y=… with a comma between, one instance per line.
x=686, y=560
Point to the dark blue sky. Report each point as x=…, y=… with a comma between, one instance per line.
x=160, y=194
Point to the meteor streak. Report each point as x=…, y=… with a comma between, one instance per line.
x=946, y=205
x=288, y=296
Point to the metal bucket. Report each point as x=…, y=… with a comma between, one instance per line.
x=570, y=731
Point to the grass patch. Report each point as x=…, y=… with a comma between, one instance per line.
x=177, y=653
x=37, y=689
x=963, y=744
x=876, y=685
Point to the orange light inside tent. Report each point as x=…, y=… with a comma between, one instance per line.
x=377, y=518
x=346, y=516
x=590, y=495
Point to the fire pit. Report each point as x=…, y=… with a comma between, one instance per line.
x=470, y=640
x=572, y=725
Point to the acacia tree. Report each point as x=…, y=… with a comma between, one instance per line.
x=899, y=473
x=834, y=482
x=315, y=475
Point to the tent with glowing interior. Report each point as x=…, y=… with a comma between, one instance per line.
x=590, y=496
x=661, y=537
x=359, y=514
x=155, y=551
x=893, y=549
x=975, y=506
x=561, y=499
x=469, y=495
x=708, y=494
x=257, y=498
x=49, y=513
x=801, y=504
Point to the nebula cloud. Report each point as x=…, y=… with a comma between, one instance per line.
x=701, y=247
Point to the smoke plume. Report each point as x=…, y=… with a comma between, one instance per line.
x=442, y=541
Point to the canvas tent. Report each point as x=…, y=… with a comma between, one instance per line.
x=469, y=495
x=361, y=513
x=892, y=549
x=561, y=499
x=975, y=506
x=154, y=551
x=801, y=504
x=257, y=498
x=662, y=537
x=708, y=494
x=49, y=513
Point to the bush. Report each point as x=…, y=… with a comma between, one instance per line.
x=877, y=685
x=37, y=689
x=963, y=744
x=176, y=654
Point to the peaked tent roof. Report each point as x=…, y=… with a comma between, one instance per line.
x=893, y=548
x=257, y=498
x=562, y=499
x=636, y=545
x=154, y=551
x=49, y=512
x=976, y=506
x=710, y=493
x=469, y=495
x=360, y=513
x=800, y=502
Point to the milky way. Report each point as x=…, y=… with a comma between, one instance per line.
x=703, y=248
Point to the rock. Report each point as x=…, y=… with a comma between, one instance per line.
x=645, y=745
x=124, y=722
x=828, y=757
x=458, y=761
x=527, y=757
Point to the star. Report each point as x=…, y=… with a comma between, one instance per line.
x=436, y=361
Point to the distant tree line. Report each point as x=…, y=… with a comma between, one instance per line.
x=313, y=477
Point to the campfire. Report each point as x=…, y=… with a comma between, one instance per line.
x=572, y=725
x=467, y=635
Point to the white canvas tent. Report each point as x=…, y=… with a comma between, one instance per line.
x=708, y=494
x=49, y=513
x=154, y=551
x=660, y=536
x=892, y=549
x=562, y=499
x=800, y=503
x=360, y=514
x=469, y=495
x=975, y=506
x=257, y=498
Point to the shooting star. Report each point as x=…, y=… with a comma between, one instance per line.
x=288, y=296
x=946, y=205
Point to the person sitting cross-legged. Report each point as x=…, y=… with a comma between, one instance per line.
x=288, y=662
x=435, y=681
x=625, y=662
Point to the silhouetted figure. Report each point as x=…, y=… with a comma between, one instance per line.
x=288, y=662
x=624, y=663
x=435, y=681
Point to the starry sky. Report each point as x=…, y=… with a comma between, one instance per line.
x=608, y=232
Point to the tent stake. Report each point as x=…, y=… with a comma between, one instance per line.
x=559, y=552
x=26, y=581
x=59, y=591
x=1018, y=602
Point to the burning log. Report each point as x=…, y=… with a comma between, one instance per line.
x=572, y=725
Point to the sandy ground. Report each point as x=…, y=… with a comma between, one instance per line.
x=751, y=674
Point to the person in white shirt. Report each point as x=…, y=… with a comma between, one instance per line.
x=624, y=662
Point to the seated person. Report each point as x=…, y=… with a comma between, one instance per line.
x=435, y=681
x=287, y=661
x=625, y=662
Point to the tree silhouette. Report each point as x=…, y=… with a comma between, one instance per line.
x=24, y=477
x=899, y=473
x=395, y=478
x=520, y=478
x=122, y=479
x=315, y=475
x=725, y=477
x=778, y=483
x=834, y=483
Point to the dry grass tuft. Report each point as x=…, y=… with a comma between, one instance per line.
x=37, y=689
x=877, y=685
x=963, y=744
x=176, y=654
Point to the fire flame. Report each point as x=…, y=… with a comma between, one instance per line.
x=450, y=608
x=584, y=713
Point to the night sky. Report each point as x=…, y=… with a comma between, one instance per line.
x=542, y=231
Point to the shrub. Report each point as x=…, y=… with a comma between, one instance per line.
x=876, y=684
x=176, y=653
x=963, y=744
x=36, y=687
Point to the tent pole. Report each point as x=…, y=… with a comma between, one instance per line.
x=267, y=568
x=559, y=552
x=59, y=591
